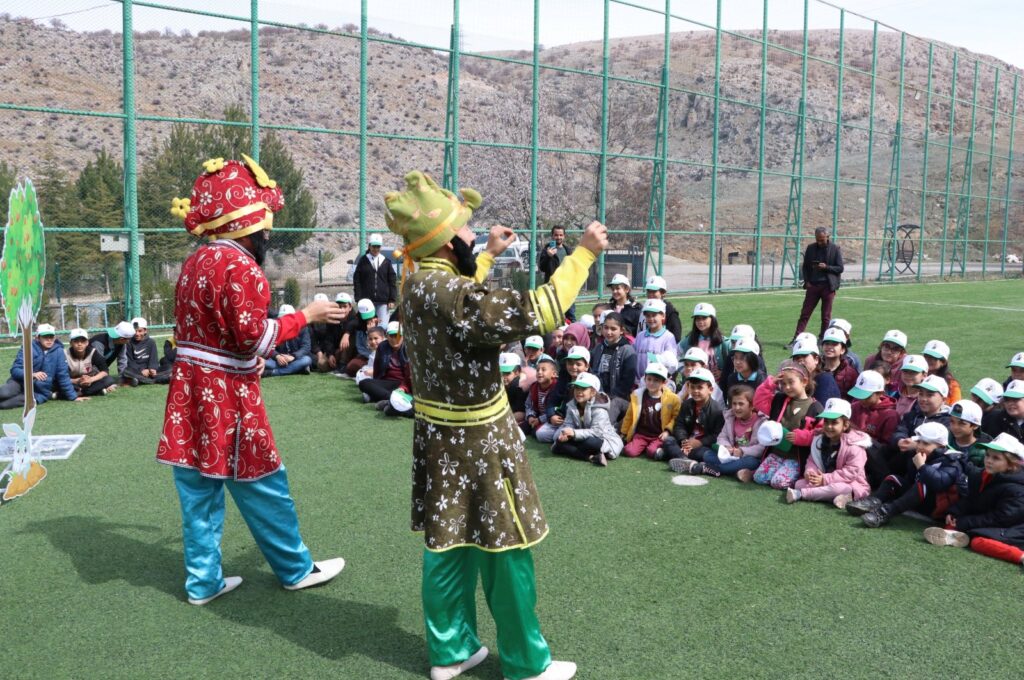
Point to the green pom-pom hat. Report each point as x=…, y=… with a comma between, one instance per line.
x=427, y=216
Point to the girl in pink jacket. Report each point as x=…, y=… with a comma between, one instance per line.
x=835, y=468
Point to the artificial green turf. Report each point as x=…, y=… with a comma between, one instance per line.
x=638, y=579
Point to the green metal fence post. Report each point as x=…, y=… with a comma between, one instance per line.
x=961, y=240
x=839, y=124
x=451, y=122
x=254, y=65
x=364, y=53
x=132, y=292
x=924, y=165
x=534, y=142
x=714, y=148
x=656, y=205
x=949, y=165
x=871, y=149
x=898, y=155
x=602, y=203
x=991, y=168
x=759, y=223
x=1009, y=172
x=803, y=136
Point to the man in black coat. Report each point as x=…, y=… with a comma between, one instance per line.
x=553, y=254
x=374, y=279
x=821, y=271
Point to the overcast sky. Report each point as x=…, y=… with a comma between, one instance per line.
x=986, y=26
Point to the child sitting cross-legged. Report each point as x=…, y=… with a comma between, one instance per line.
x=696, y=428
x=988, y=394
x=696, y=358
x=965, y=431
x=835, y=468
x=738, y=451
x=587, y=432
x=511, y=368
x=933, y=472
x=577, y=360
x=912, y=373
x=792, y=414
x=540, y=391
x=652, y=411
x=990, y=518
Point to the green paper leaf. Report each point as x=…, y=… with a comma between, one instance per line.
x=23, y=262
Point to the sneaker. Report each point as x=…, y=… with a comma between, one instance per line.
x=455, y=670
x=322, y=573
x=793, y=495
x=940, y=536
x=863, y=506
x=659, y=454
x=230, y=583
x=875, y=518
x=745, y=476
x=366, y=398
x=599, y=459
x=383, y=404
x=842, y=500
x=558, y=670
x=706, y=469
x=683, y=466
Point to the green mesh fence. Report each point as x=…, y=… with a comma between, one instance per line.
x=711, y=153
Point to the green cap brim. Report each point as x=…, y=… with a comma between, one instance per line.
x=912, y=369
x=983, y=395
x=934, y=355
x=831, y=415
x=577, y=383
x=923, y=386
x=858, y=393
x=1013, y=395
x=507, y=369
x=367, y=315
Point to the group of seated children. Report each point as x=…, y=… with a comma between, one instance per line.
x=84, y=368
x=878, y=438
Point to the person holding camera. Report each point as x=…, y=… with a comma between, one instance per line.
x=821, y=271
x=552, y=255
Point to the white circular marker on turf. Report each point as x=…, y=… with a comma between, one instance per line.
x=688, y=480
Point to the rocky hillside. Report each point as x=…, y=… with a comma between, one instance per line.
x=311, y=80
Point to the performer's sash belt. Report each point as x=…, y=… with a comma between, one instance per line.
x=211, y=357
x=462, y=415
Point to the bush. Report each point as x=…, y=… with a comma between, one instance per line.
x=292, y=292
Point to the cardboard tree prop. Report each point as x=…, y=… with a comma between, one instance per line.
x=22, y=266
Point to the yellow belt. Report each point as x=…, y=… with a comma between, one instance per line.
x=440, y=413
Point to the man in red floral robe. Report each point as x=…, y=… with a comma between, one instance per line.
x=216, y=431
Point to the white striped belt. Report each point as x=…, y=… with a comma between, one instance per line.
x=214, y=359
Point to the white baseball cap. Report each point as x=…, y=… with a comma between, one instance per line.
x=603, y=316
x=804, y=346
x=508, y=362
x=77, y=333
x=654, y=305
x=619, y=280
x=834, y=334
x=936, y=349
x=657, y=369
x=320, y=297
x=1017, y=361
x=934, y=383
x=1006, y=443
x=836, y=408
x=394, y=328
x=375, y=240
x=655, y=282
x=933, y=433
x=896, y=337
x=1015, y=390
x=139, y=322
x=805, y=337
x=967, y=410
x=285, y=309
x=696, y=354
x=587, y=380
x=746, y=345
x=579, y=352
x=343, y=299
x=588, y=321
x=123, y=330
x=534, y=342
x=770, y=433
x=366, y=309
x=701, y=373
x=868, y=383
x=843, y=325
x=742, y=330
x=988, y=390
x=401, y=401
x=915, y=363
x=704, y=309
x=45, y=329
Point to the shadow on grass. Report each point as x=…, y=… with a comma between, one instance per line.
x=103, y=551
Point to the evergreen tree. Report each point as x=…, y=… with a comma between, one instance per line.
x=7, y=181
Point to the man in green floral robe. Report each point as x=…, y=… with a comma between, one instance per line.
x=473, y=492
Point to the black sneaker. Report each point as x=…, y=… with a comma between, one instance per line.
x=863, y=506
x=706, y=469
x=877, y=517
x=383, y=404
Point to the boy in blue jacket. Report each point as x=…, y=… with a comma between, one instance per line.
x=933, y=471
x=49, y=372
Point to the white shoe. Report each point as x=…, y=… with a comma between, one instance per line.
x=940, y=536
x=328, y=569
x=792, y=495
x=558, y=670
x=230, y=583
x=842, y=500
x=457, y=669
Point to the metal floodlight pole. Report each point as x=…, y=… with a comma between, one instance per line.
x=451, y=124
x=991, y=168
x=871, y=148
x=1009, y=172
x=949, y=166
x=131, y=203
x=924, y=163
x=839, y=124
x=602, y=198
x=364, y=51
x=759, y=219
x=534, y=141
x=254, y=63
x=714, y=147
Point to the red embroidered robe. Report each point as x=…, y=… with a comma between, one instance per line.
x=215, y=421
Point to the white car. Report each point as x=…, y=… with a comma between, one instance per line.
x=517, y=255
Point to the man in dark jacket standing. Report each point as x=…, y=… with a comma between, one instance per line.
x=375, y=279
x=822, y=267
x=553, y=254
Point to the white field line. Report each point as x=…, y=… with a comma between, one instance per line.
x=935, y=304
x=800, y=291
